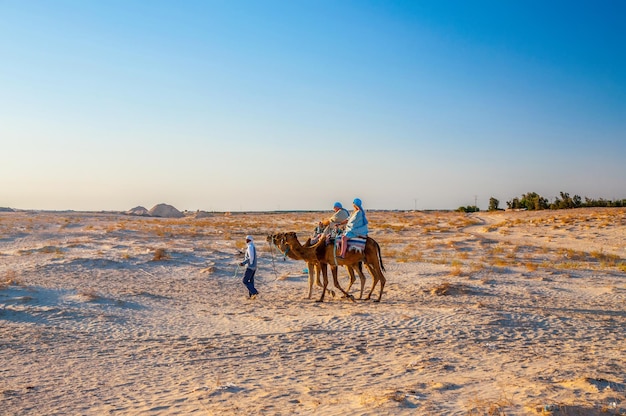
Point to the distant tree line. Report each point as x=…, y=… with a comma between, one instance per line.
x=532, y=201
x=469, y=208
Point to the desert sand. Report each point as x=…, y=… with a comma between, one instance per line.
x=516, y=313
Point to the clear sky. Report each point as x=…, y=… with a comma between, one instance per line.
x=293, y=105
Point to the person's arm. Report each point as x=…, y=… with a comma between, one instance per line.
x=246, y=259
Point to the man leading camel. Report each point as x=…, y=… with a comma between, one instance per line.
x=250, y=262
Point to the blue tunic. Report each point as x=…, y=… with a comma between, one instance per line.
x=357, y=225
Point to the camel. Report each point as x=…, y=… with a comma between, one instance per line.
x=313, y=265
x=310, y=257
x=371, y=257
x=334, y=267
x=350, y=269
x=326, y=256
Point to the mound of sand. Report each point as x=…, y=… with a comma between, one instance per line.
x=203, y=214
x=140, y=211
x=165, y=211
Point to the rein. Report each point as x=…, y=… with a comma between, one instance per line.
x=271, y=244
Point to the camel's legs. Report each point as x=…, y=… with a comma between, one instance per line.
x=352, y=278
x=362, y=277
x=338, y=286
x=377, y=275
x=359, y=270
x=325, y=282
x=382, y=285
x=317, y=274
x=315, y=268
x=311, y=279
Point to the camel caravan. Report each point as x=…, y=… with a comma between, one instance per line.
x=339, y=241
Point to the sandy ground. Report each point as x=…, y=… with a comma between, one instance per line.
x=510, y=313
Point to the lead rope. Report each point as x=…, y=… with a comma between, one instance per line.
x=273, y=263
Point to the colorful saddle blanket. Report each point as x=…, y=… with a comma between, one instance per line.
x=357, y=244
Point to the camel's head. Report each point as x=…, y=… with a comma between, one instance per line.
x=291, y=236
x=272, y=238
x=278, y=240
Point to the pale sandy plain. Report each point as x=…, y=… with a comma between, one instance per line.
x=516, y=313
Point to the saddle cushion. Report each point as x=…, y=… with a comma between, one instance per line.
x=357, y=244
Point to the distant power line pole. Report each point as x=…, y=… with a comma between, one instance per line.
x=475, y=200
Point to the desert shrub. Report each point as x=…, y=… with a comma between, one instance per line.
x=456, y=268
x=10, y=279
x=493, y=204
x=160, y=254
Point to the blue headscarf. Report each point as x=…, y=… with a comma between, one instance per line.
x=358, y=203
x=337, y=205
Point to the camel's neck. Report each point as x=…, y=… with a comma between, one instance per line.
x=307, y=253
x=287, y=251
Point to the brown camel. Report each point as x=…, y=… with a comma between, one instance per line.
x=313, y=265
x=326, y=255
x=371, y=257
x=291, y=240
x=333, y=267
x=350, y=269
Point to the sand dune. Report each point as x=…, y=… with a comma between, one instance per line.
x=510, y=313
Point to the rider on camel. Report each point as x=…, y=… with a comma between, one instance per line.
x=356, y=226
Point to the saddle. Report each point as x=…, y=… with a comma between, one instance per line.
x=356, y=244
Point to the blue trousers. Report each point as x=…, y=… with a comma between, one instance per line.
x=248, y=280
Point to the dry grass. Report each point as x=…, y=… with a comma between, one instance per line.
x=89, y=295
x=405, y=237
x=575, y=410
x=486, y=407
x=448, y=289
x=500, y=262
x=456, y=269
x=208, y=270
x=410, y=253
x=51, y=250
x=530, y=266
x=160, y=254
x=378, y=400
x=10, y=279
x=477, y=267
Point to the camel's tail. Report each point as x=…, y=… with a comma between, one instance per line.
x=380, y=257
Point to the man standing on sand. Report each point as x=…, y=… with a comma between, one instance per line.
x=250, y=261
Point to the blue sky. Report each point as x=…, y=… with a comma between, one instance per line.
x=265, y=105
